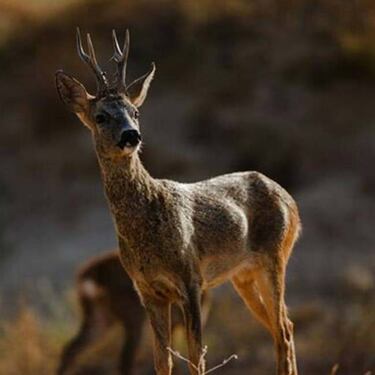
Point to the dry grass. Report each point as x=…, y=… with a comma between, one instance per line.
x=325, y=334
x=25, y=347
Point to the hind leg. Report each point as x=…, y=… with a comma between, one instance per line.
x=95, y=322
x=246, y=287
x=263, y=292
x=271, y=283
x=133, y=326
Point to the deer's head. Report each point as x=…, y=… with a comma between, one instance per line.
x=112, y=114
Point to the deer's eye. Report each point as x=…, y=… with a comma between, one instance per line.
x=136, y=114
x=100, y=118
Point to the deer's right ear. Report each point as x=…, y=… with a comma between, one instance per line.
x=72, y=93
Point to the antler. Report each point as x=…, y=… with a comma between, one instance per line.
x=121, y=58
x=90, y=60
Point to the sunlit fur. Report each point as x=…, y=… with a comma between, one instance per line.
x=177, y=240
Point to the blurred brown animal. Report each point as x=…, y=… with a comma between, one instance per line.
x=177, y=240
x=106, y=296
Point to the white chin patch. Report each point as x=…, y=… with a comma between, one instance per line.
x=128, y=149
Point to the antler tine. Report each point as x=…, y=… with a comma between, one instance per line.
x=118, y=54
x=90, y=59
x=121, y=58
x=92, y=52
x=81, y=52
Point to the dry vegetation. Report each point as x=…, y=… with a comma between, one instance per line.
x=26, y=347
x=341, y=334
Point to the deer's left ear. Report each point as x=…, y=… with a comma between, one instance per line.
x=72, y=93
x=137, y=90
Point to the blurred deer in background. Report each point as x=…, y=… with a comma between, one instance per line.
x=107, y=296
x=177, y=240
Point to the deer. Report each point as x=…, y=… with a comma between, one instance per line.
x=106, y=296
x=175, y=239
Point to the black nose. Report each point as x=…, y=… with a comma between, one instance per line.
x=129, y=138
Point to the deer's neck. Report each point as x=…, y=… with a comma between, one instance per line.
x=130, y=191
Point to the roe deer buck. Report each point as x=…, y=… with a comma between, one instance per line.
x=177, y=240
x=106, y=296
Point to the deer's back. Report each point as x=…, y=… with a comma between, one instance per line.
x=245, y=204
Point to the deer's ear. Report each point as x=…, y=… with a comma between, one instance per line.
x=137, y=91
x=72, y=93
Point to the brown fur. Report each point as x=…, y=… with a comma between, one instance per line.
x=176, y=240
x=106, y=296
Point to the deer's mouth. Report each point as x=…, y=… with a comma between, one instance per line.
x=129, y=139
x=129, y=149
x=123, y=145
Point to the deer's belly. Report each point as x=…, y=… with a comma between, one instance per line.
x=218, y=269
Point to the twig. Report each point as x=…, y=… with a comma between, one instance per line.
x=233, y=356
x=180, y=356
x=201, y=360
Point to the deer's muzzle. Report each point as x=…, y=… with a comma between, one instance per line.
x=129, y=138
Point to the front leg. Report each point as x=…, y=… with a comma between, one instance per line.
x=192, y=315
x=159, y=314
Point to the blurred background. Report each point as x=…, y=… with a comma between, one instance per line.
x=283, y=87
